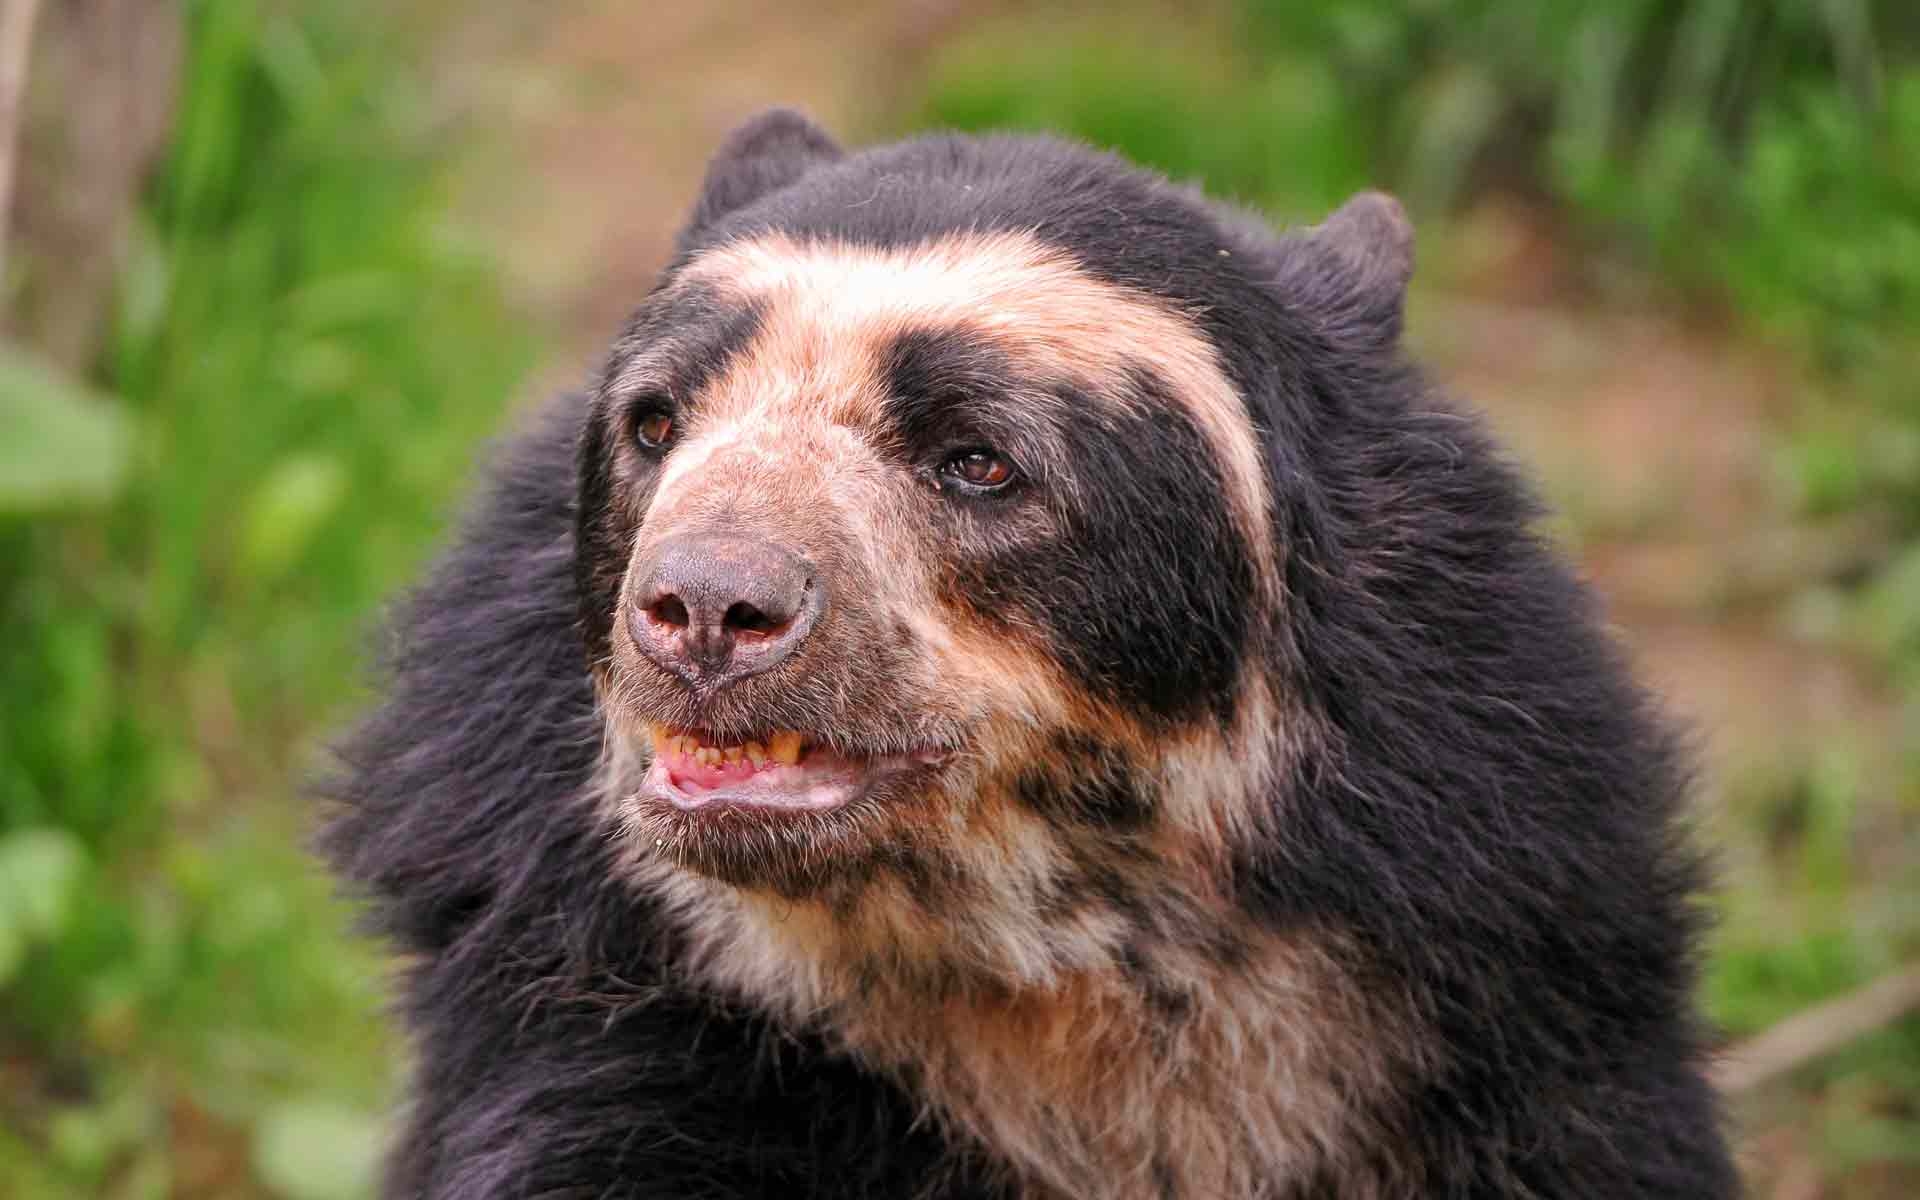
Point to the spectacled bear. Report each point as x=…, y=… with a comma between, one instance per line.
x=1010, y=684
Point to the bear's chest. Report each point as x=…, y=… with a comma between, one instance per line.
x=1243, y=1084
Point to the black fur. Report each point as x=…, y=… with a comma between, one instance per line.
x=1141, y=580
x=1490, y=815
x=1083, y=782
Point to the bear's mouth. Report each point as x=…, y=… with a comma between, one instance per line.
x=784, y=771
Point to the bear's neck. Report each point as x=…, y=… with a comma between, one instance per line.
x=1168, y=1071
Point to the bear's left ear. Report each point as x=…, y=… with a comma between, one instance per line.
x=763, y=155
x=1360, y=260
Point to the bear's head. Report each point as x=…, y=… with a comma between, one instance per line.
x=933, y=536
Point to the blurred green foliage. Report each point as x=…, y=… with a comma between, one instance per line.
x=67, y=446
x=1762, y=152
x=1268, y=130
x=301, y=363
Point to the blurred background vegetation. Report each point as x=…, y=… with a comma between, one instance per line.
x=274, y=268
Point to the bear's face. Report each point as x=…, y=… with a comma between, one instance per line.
x=899, y=534
x=932, y=555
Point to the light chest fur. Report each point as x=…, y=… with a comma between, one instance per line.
x=1182, y=1076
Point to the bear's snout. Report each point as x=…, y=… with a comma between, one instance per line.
x=714, y=609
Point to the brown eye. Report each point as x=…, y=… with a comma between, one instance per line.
x=981, y=469
x=653, y=430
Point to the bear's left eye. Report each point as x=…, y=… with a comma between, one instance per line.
x=981, y=469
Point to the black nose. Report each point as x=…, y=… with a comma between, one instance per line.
x=715, y=609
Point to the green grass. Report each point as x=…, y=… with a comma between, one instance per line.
x=1270, y=133
x=301, y=364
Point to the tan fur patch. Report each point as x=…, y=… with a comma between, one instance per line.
x=1097, y=1091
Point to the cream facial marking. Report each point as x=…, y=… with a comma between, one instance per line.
x=825, y=302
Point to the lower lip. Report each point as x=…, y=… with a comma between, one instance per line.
x=795, y=789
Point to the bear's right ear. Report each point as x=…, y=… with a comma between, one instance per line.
x=1354, y=268
x=763, y=155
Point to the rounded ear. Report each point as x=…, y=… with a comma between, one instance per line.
x=1358, y=264
x=762, y=155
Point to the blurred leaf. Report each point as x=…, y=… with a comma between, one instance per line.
x=145, y=287
x=64, y=445
x=287, y=509
x=307, y=1150
x=39, y=872
x=1891, y=615
x=13, y=950
x=1827, y=473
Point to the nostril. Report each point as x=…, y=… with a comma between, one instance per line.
x=745, y=618
x=668, y=610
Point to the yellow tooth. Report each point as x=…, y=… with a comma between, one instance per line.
x=710, y=756
x=659, y=734
x=731, y=754
x=756, y=754
x=784, y=747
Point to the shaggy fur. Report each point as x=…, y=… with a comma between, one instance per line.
x=1286, y=827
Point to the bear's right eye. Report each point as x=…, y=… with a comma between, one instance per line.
x=653, y=428
x=979, y=470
